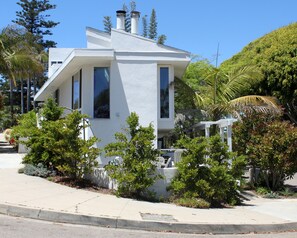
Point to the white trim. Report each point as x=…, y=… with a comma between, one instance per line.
x=75, y=55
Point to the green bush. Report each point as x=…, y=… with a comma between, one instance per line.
x=192, y=202
x=57, y=143
x=271, y=145
x=262, y=191
x=287, y=192
x=272, y=195
x=277, y=154
x=204, y=172
x=26, y=123
x=38, y=170
x=136, y=173
x=70, y=154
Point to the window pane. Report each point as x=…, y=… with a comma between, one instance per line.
x=76, y=92
x=164, y=92
x=101, y=93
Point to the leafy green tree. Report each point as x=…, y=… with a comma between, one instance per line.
x=136, y=173
x=204, y=172
x=107, y=24
x=277, y=153
x=152, y=34
x=32, y=17
x=276, y=57
x=269, y=144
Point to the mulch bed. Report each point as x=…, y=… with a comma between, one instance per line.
x=80, y=184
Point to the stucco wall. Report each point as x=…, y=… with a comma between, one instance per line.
x=65, y=95
x=101, y=178
x=133, y=88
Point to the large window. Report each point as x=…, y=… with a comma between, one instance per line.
x=164, y=92
x=101, y=93
x=76, y=90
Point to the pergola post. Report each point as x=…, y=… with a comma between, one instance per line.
x=207, y=134
x=229, y=137
x=222, y=134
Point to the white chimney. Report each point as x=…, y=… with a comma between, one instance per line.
x=121, y=14
x=134, y=22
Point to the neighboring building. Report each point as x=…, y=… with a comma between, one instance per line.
x=115, y=75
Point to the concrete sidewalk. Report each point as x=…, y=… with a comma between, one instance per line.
x=33, y=197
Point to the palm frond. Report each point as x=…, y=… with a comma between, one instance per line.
x=238, y=81
x=256, y=103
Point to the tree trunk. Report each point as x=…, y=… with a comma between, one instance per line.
x=11, y=100
x=22, y=96
x=28, y=94
x=34, y=91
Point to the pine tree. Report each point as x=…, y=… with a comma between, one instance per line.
x=144, y=26
x=128, y=15
x=153, y=26
x=161, y=39
x=107, y=24
x=32, y=18
x=127, y=18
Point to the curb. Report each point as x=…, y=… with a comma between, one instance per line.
x=116, y=222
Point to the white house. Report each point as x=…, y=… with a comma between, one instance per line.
x=115, y=75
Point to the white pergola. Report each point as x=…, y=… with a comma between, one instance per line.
x=224, y=125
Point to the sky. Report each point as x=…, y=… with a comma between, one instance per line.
x=197, y=26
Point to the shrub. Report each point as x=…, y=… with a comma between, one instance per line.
x=277, y=153
x=270, y=145
x=287, y=192
x=262, y=191
x=192, y=202
x=204, y=172
x=70, y=154
x=38, y=170
x=136, y=173
x=57, y=142
x=272, y=195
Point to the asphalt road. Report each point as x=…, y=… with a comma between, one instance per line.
x=15, y=227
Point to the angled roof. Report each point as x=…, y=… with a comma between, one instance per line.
x=119, y=45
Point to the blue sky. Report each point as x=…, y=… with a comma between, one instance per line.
x=193, y=25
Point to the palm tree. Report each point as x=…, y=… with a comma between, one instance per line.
x=219, y=94
x=18, y=59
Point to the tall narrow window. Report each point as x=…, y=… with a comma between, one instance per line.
x=101, y=93
x=76, y=90
x=164, y=92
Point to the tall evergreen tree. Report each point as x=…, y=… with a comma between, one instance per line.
x=107, y=24
x=128, y=15
x=32, y=17
x=153, y=26
x=144, y=26
x=161, y=39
